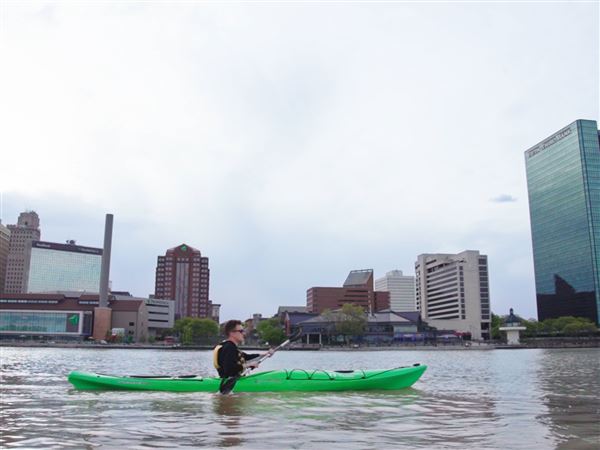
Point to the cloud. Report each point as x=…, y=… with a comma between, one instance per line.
x=290, y=144
x=504, y=198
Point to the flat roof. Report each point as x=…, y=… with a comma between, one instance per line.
x=43, y=245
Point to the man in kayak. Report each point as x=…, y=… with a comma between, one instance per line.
x=228, y=359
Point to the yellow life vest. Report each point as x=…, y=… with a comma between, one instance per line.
x=216, y=356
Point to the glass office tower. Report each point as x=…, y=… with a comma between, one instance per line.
x=563, y=179
x=63, y=267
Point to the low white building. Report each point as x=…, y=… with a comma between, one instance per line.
x=401, y=288
x=161, y=313
x=452, y=292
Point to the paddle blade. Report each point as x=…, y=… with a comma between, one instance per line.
x=228, y=385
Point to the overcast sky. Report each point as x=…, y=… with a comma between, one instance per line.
x=289, y=142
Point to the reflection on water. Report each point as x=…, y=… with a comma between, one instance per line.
x=466, y=399
x=228, y=411
x=571, y=385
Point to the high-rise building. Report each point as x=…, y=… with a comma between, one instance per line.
x=4, y=245
x=401, y=288
x=63, y=267
x=563, y=180
x=22, y=234
x=183, y=275
x=452, y=292
x=357, y=290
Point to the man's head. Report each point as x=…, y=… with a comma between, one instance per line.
x=234, y=331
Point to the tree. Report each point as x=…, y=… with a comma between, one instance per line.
x=180, y=324
x=577, y=326
x=496, y=322
x=204, y=328
x=192, y=329
x=187, y=337
x=533, y=327
x=270, y=331
x=349, y=321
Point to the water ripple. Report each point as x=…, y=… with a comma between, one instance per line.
x=486, y=400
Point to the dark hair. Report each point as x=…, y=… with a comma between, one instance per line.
x=230, y=326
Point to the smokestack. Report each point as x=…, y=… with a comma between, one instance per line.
x=105, y=269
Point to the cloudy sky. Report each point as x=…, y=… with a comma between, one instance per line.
x=290, y=142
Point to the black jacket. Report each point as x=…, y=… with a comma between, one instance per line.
x=231, y=360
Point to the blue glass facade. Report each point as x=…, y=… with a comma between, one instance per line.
x=40, y=322
x=563, y=180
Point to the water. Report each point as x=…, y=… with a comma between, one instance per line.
x=517, y=399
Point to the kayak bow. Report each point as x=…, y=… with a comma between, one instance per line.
x=270, y=381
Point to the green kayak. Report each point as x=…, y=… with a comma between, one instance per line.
x=273, y=380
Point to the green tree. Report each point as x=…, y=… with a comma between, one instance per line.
x=180, y=324
x=496, y=322
x=533, y=327
x=204, y=328
x=187, y=338
x=270, y=331
x=192, y=329
x=565, y=325
x=350, y=321
x=577, y=326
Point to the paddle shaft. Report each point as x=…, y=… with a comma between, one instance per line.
x=265, y=356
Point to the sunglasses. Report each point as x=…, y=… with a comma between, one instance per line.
x=240, y=331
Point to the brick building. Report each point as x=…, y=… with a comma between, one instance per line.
x=183, y=275
x=357, y=290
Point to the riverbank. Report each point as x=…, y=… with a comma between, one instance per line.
x=247, y=348
x=475, y=346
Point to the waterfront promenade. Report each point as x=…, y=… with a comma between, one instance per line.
x=584, y=342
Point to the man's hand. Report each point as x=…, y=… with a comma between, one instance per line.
x=270, y=353
x=252, y=364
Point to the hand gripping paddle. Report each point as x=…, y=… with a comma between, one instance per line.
x=228, y=384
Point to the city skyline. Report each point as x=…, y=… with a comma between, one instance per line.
x=185, y=247
x=289, y=157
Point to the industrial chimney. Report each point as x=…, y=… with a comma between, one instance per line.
x=103, y=314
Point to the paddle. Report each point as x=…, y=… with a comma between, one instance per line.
x=228, y=385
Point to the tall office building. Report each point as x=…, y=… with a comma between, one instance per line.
x=183, y=275
x=357, y=290
x=22, y=235
x=401, y=288
x=63, y=267
x=4, y=244
x=563, y=180
x=452, y=292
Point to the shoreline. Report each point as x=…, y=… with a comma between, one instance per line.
x=481, y=347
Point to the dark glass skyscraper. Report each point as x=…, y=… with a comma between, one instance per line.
x=563, y=179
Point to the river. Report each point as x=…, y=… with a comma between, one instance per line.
x=499, y=399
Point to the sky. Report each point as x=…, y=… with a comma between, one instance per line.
x=289, y=142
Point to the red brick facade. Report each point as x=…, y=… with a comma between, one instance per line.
x=360, y=293
x=183, y=275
